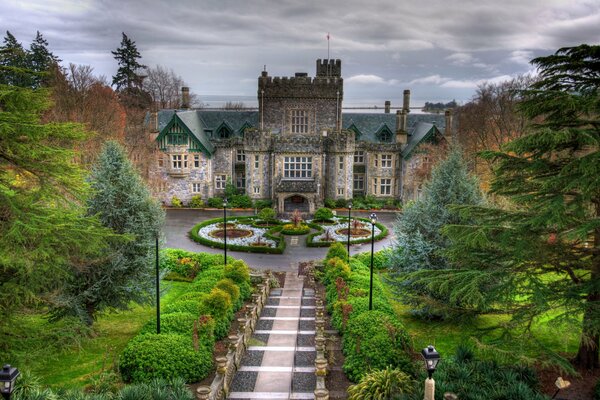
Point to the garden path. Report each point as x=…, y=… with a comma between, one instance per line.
x=279, y=361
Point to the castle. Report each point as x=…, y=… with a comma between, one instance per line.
x=298, y=149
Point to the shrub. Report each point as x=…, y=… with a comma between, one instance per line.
x=189, y=306
x=323, y=214
x=341, y=203
x=337, y=250
x=205, y=285
x=329, y=203
x=218, y=305
x=215, y=202
x=176, y=202
x=240, y=201
x=267, y=214
x=260, y=204
x=335, y=268
x=291, y=229
x=374, y=340
x=164, y=356
x=355, y=306
x=385, y=384
x=239, y=272
x=196, y=202
x=381, y=259
x=229, y=287
x=180, y=323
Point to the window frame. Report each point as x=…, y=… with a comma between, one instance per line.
x=220, y=181
x=299, y=120
x=297, y=167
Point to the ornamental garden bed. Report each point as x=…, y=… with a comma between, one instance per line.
x=360, y=232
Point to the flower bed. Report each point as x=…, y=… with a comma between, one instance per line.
x=290, y=229
x=338, y=232
x=207, y=233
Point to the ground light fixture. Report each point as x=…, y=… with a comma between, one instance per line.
x=373, y=221
x=225, y=230
x=349, y=220
x=8, y=376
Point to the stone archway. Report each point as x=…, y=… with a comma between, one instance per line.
x=296, y=202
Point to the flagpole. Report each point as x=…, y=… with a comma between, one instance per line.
x=328, y=45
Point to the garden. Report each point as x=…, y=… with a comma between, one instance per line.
x=264, y=233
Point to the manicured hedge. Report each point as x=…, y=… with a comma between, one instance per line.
x=311, y=243
x=193, y=234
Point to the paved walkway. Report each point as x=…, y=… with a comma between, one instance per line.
x=279, y=362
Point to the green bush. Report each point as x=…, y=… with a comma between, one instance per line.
x=290, y=229
x=229, y=287
x=151, y=356
x=341, y=203
x=358, y=305
x=240, y=201
x=267, y=214
x=335, y=268
x=337, y=250
x=260, y=204
x=329, y=203
x=180, y=323
x=384, y=384
x=176, y=202
x=196, y=202
x=218, y=305
x=239, y=272
x=381, y=259
x=188, y=306
x=374, y=340
x=215, y=202
x=323, y=214
x=204, y=285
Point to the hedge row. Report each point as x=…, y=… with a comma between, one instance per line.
x=250, y=249
x=371, y=339
x=319, y=228
x=190, y=325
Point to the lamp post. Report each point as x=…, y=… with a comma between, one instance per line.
x=431, y=358
x=349, y=219
x=8, y=376
x=373, y=221
x=157, y=289
x=225, y=230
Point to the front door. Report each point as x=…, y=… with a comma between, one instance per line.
x=296, y=202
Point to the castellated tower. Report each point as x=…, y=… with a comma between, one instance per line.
x=302, y=104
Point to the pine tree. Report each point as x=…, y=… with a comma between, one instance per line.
x=14, y=63
x=541, y=257
x=419, y=242
x=122, y=203
x=127, y=56
x=40, y=59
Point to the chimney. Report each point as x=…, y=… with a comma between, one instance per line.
x=388, y=104
x=406, y=104
x=185, y=97
x=449, y=117
x=401, y=134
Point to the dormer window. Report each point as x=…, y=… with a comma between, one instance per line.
x=384, y=134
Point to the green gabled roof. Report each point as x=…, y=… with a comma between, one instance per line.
x=235, y=120
x=356, y=131
x=189, y=121
x=421, y=133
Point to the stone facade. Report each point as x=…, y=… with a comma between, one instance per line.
x=297, y=150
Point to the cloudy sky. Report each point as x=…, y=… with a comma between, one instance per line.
x=440, y=49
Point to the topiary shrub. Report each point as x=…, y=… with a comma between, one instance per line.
x=204, y=285
x=384, y=384
x=188, y=306
x=176, y=202
x=374, y=340
x=347, y=310
x=267, y=214
x=228, y=286
x=151, y=356
x=218, y=305
x=180, y=323
x=335, y=268
x=196, y=202
x=337, y=250
x=239, y=272
x=323, y=214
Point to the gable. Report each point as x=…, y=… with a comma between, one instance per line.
x=177, y=133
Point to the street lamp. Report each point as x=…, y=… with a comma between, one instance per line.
x=349, y=210
x=157, y=288
x=431, y=358
x=8, y=376
x=373, y=221
x=225, y=230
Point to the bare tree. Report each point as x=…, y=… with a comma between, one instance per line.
x=164, y=86
x=234, y=105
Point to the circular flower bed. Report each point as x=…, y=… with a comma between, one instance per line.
x=354, y=232
x=338, y=231
x=232, y=233
x=243, y=234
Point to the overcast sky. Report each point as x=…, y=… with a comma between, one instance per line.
x=440, y=49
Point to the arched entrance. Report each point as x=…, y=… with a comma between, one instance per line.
x=296, y=202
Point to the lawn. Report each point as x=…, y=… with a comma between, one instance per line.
x=78, y=363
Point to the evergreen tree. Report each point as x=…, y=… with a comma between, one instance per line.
x=14, y=63
x=40, y=59
x=43, y=227
x=127, y=56
x=419, y=242
x=122, y=203
x=542, y=256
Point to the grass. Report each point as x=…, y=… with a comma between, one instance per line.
x=77, y=364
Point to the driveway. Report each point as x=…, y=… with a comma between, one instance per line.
x=179, y=222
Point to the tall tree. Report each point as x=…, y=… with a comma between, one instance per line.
x=542, y=255
x=122, y=203
x=14, y=63
x=42, y=224
x=41, y=60
x=127, y=55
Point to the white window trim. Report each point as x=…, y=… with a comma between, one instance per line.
x=220, y=181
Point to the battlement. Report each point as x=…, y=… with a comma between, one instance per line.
x=329, y=68
x=300, y=86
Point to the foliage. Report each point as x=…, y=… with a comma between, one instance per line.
x=374, y=340
x=176, y=202
x=381, y=259
x=335, y=268
x=439, y=106
x=180, y=323
x=229, y=287
x=296, y=218
x=337, y=250
x=341, y=203
x=292, y=229
x=218, y=305
x=343, y=311
x=215, y=202
x=196, y=202
x=239, y=272
x=123, y=204
x=192, y=306
x=329, y=203
x=323, y=214
x=544, y=249
x=319, y=230
x=382, y=384
x=43, y=225
x=127, y=56
x=168, y=356
x=267, y=214
x=186, y=263
x=260, y=204
x=240, y=201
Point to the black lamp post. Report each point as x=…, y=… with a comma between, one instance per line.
x=225, y=230
x=8, y=376
x=373, y=221
x=349, y=219
x=157, y=289
x=432, y=358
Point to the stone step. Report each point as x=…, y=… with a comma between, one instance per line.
x=288, y=318
x=252, y=368
x=283, y=332
x=281, y=348
x=294, y=307
x=272, y=395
